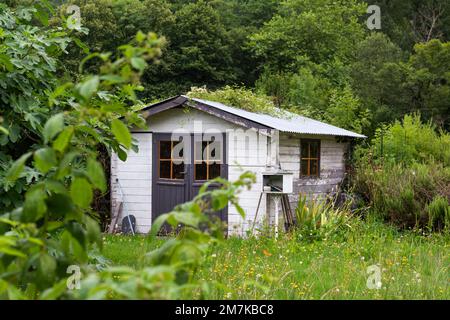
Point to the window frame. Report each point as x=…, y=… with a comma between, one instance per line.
x=309, y=159
x=208, y=162
x=172, y=144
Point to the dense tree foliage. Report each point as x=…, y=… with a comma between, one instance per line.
x=302, y=53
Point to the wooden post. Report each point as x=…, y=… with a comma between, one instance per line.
x=276, y=200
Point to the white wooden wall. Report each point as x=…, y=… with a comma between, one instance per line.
x=135, y=178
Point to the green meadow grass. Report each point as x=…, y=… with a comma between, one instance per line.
x=413, y=266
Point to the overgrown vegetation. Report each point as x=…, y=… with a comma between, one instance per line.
x=321, y=218
x=405, y=175
x=413, y=266
x=239, y=98
x=314, y=56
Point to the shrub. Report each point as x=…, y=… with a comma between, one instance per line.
x=402, y=194
x=439, y=213
x=407, y=142
x=319, y=219
x=404, y=174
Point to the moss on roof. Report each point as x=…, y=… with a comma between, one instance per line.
x=241, y=98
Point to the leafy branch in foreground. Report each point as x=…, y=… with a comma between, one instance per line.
x=55, y=227
x=170, y=270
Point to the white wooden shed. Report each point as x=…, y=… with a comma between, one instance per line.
x=189, y=141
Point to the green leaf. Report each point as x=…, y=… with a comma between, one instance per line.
x=93, y=231
x=184, y=217
x=45, y=159
x=53, y=126
x=53, y=225
x=66, y=164
x=140, y=36
x=122, y=154
x=96, y=174
x=220, y=199
x=54, y=292
x=60, y=144
x=17, y=167
x=59, y=91
x=70, y=245
x=121, y=133
x=12, y=252
x=4, y=130
x=5, y=61
x=34, y=207
x=113, y=79
x=80, y=44
x=239, y=209
x=81, y=192
x=15, y=294
x=157, y=224
x=88, y=87
x=138, y=63
x=60, y=205
x=41, y=14
x=47, y=265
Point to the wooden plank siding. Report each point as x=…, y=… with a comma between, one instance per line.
x=332, y=165
x=135, y=177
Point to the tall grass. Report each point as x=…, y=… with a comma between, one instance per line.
x=412, y=266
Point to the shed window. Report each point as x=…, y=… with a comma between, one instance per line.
x=310, y=158
x=207, y=162
x=171, y=166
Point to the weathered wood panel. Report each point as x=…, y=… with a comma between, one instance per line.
x=332, y=165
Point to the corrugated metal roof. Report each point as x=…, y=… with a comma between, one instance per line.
x=292, y=123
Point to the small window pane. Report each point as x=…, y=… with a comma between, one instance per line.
x=164, y=169
x=178, y=171
x=215, y=151
x=200, y=171
x=214, y=170
x=199, y=150
x=165, y=149
x=304, y=167
x=314, y=167
x=314, y=150
x=304, y=150
x=178, y=150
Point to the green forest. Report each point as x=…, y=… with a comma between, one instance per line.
x=315, y=57
x=73, y=75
